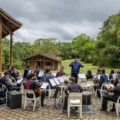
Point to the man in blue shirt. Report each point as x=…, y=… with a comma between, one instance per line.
x=75, y=68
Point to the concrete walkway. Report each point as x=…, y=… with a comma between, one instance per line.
x=50, y=113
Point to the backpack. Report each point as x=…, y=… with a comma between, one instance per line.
x=28, y=84
x=105, y=78
x=60, y=104
x=2, y=92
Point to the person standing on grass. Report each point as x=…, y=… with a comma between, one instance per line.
x=75, y=68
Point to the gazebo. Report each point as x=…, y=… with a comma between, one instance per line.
x=8, y=25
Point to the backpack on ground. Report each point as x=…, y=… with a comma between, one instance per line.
x=2, y=92
x=2, y=96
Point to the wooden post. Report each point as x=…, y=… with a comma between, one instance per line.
x=0, y=49
x=44, y=66
x=53, y=66
x=11, y=46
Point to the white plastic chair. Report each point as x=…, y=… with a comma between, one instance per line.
x=22, y=88
x=102, y=91
x=75, y=100
x=116, y=105
x=4, y=86
x=50, y=91
x=27, y=91
x=89, y=85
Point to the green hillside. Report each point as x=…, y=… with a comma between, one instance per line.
x=87, y=66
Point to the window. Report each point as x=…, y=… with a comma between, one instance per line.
x=49, y=63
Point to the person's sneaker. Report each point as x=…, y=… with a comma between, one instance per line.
x=103, y=110
x=113, y=110
x=64, y=111
x=43, y=105
x=54, y=97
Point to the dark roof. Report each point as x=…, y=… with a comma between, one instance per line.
x=9, y=24
x=47, y=55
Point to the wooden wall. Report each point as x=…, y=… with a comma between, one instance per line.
x=32, y=64
x=43, y=64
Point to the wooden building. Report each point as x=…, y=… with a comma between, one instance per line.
x=8, y=25
x=44, y=60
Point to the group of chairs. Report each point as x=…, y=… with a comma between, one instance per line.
x=102, y=92
x=87, y=84
x=75, y=99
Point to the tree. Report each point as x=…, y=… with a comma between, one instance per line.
x=83, y=47
x=108, y=44
x=5, y=51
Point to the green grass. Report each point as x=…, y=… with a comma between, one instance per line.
x=87, y=66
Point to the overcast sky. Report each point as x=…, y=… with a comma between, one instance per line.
x=60, y=19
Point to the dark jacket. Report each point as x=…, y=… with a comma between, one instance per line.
x=75, y=67
x=32, y=85
x=14, y=74
x=73, y=88
x=37, y=73
x=4, y=80
x=116, y=82
x=102, y=80
x=111, y=77
x=9, y=71
x=89, y=76
x=25, y=73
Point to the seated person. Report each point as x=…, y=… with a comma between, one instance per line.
x=117, y=77
x=37, y=71
x=95, y=81
x=103, y=79
x=44, y=75
x=72, y=87
x=47, y=75
x=60, y=72
x=14, y=74
x=25, y=73
x=98, y=74
x=34, y=85
x=89, y=75
x=116, y=93
x=5, y=80
x=112, y=76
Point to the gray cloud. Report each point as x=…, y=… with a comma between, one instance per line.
x=60, y=19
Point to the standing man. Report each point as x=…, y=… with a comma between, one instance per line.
x=75, y=68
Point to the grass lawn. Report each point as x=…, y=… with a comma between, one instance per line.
x=87, y=66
